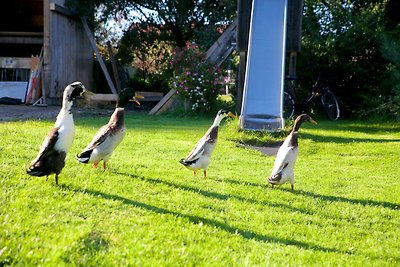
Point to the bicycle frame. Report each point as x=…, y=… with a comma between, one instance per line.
x=297, y=105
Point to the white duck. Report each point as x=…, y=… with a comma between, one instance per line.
x=109, y=136
x=283, y=170
x=199, y=157
x=52, y=154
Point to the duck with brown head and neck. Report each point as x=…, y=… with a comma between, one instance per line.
x=109, y=136
x=286, y=157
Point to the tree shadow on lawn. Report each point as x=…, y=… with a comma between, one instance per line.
x=364, y=202
x=216, y=195
x=247, y=234
x=242, y=183
x=343, y=140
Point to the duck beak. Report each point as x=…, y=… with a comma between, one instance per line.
x=136, y=97
x=313, y=121
x=86, y=94
x=230, y=114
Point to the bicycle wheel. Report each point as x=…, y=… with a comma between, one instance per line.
x=288, y=106
x=330, y=104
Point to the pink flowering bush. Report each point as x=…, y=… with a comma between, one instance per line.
x=195, y=81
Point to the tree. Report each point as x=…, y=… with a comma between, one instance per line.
x=180, y=20
x=157, y=27
x=344, y=41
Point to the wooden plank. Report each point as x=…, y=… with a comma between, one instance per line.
x=170, y=104
x=163, y=101
x=96, y=50
x=150, y=94
x=20, y=40
x=103, y=97
x=63, y=11
x=101, y=100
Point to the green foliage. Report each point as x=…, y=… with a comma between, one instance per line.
x=390, y=103
x=342, y=40
x=148, y=210
x=144, y=49
x=180, y=21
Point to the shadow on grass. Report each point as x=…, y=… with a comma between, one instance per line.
x=243, y=183
x=344, y=140
x=211, y=222
x=364, y=202
x=216, y=195
x=365, y=128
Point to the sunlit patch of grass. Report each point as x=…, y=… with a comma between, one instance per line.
x=148, y=210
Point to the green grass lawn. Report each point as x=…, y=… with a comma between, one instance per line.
x=148, y=210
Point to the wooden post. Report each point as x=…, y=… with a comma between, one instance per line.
x=114, y=66
x=294, y=25
x=242, y=41
x=102, y=65
x=240, y=81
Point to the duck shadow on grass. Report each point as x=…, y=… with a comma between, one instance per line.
x=216, y=195
x=247, y=234
x=364, y=202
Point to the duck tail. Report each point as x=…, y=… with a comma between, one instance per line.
x=183, y=162
x=84, y=156
x=273, y=179
x=37, y=169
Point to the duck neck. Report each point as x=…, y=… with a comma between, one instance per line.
x=67, y=106
x=65, y=112
x=117, y=118
x=297, y=125
x=217, y=120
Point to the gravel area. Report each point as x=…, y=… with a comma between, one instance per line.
x=27, y=112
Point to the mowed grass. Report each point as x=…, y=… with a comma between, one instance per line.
x=148, y=210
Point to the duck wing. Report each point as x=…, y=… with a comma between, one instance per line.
x=100, y=137
x=196, y=153
x=210, y=137
x=47, y=150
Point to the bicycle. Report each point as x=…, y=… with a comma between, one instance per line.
x=328, y=99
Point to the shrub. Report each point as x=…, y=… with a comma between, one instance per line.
x=196, y=81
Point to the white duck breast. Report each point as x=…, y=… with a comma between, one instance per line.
x=283, y=170
x=66, y=132
x=286, y=157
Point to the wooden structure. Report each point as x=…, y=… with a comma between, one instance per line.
x=27, y=26
x=224, y=46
